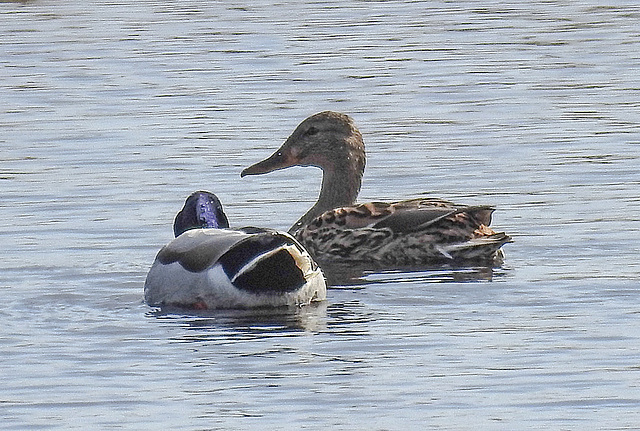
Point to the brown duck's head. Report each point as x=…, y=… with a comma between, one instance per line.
x=328, y=140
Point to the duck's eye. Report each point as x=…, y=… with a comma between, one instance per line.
x=311, y=131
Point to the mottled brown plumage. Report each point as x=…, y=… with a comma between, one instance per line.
x=412, y=232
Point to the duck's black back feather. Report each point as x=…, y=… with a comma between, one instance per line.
x=270, y=266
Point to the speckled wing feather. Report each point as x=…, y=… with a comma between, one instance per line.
x=417, y=215
x=405, y=216
x=408, y=232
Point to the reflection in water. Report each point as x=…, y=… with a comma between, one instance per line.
x=350, y=318
x=355, y=275
x=255, y=323
x=228, y=326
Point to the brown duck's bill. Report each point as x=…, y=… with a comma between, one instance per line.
x=277, y=160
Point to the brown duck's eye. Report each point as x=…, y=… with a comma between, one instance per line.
x=311, y=131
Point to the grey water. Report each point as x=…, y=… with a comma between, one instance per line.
x=114, y=111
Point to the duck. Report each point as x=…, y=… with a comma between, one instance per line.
x=414, y=232
x=210, y=266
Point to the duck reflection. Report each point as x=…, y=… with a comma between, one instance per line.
x=258, y=322
x=360, y=275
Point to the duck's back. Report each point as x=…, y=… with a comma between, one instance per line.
x=413, y=232
x=222, y=268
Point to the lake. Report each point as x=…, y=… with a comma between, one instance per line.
x=114, y=111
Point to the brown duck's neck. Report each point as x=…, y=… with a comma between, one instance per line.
x=340, y=187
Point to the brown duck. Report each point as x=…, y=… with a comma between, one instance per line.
x=412, y=232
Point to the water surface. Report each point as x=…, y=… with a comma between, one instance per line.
x=113, y=112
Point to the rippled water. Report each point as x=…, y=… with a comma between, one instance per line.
x=113, y=112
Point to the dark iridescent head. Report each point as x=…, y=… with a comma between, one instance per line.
x=201, y=210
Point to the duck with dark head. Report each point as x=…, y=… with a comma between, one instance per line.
x=211, y=266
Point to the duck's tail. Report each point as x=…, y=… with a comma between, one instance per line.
x=484, y=248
